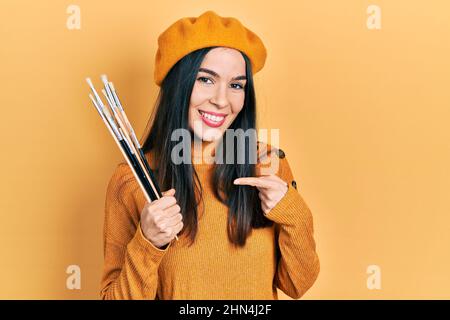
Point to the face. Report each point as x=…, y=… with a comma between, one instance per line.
x=218, y=94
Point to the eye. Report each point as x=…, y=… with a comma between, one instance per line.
x=204, y=79
x=240, y=86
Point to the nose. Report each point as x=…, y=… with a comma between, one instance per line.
x=220, y=98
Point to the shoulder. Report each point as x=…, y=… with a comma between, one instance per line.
x=273, y=160
x=124, y=172
x=122, y=184
x=266, y=151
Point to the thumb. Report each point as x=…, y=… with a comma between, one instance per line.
x=170, y=192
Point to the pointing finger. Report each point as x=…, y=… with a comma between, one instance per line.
x=257, y=182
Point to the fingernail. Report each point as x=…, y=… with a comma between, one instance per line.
x=236, y=181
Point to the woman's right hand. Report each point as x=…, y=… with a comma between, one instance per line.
x=161, y=219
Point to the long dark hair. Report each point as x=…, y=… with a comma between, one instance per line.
x=172, y=113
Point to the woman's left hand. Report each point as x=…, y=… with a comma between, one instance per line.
x=271, y=189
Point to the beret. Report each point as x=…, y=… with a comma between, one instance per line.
x=209, y=29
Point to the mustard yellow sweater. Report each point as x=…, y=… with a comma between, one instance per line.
x=211, y=268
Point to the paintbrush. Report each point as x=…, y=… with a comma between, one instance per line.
x=122, y=146
x=125, y=138
x=127, y=135
x=133, y=135
x=122, y=118
x=125, y=145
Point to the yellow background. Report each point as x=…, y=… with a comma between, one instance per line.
x=363, y=116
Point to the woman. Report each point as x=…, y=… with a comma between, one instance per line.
x=241, y=234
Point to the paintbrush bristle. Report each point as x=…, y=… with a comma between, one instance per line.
x=88, y=80
x=104, y=79
x=93, y=100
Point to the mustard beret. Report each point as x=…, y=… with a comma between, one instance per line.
x=209, y=29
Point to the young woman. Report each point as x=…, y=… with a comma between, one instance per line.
x=241, y=234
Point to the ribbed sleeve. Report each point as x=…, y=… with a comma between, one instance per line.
x=131, y=261
x=298, y=263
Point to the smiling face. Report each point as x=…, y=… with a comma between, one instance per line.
x=218, y=94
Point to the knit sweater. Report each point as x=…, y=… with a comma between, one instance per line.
x=282, y=256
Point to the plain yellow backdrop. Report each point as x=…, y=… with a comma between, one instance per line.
x=363, y=117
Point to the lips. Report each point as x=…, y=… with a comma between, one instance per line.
x=212, y=119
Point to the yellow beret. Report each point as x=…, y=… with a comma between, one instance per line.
x=209, y=29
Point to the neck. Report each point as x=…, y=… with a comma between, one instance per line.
x=203, y=152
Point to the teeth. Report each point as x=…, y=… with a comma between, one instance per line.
x=211, y=117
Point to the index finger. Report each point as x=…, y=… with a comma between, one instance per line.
x=252, y=181
x=274, y=177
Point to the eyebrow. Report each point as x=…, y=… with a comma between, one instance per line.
x=215, y=74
